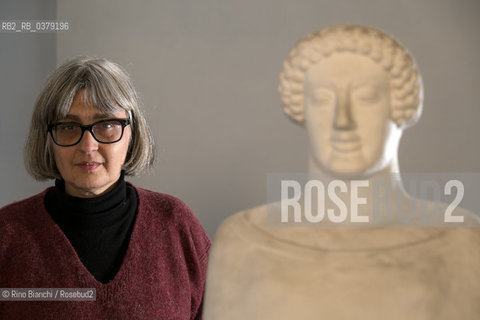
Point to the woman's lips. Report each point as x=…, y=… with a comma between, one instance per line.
x=89, y=166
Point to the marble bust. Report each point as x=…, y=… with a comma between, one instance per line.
x=355, y=90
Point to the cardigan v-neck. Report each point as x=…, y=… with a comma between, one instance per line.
x=98, y=228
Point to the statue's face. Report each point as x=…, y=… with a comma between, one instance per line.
x=347, y=115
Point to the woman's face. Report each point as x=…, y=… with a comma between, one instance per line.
x=90, y=168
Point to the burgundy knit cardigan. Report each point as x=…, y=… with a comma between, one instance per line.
x=162, y=275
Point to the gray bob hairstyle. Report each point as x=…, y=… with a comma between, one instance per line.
x=405, y=81
x=106, y=86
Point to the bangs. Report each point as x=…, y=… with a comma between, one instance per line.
x=99, y=89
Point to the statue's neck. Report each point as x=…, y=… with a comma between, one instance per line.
x=372, y=190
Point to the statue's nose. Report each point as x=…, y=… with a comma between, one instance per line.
x=343, y=119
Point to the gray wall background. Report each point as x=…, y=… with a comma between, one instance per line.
x=25, y=61
x=207, y=73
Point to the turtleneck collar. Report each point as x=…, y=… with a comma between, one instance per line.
x=91, y=205
x=103, y=210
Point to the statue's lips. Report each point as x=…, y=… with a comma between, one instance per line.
x=346, y=146
x=345, y=142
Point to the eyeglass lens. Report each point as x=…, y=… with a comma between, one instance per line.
x=71, y=133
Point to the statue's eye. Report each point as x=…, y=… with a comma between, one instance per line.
x=365, y=95
x=323, y=97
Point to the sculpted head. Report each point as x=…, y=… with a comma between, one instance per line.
x=355, y=89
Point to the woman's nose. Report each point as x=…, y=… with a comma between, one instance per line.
x=88, y=142
x=343, y=119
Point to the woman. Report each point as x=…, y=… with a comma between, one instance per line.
x=144, y=252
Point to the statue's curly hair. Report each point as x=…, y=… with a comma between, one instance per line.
x=405, y=80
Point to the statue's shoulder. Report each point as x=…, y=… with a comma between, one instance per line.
x=242, y=224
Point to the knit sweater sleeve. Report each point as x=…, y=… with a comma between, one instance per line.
x=199, y=244
x=188, y=243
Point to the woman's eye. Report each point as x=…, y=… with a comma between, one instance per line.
x=67, y=127
x=108, y=125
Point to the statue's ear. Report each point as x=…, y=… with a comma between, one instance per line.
x=407, y=96
x=406, y=110
x=408, y=117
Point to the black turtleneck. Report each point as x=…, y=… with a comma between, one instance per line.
x=98, y=228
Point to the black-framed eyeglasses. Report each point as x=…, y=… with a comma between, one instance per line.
x=67, y=134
